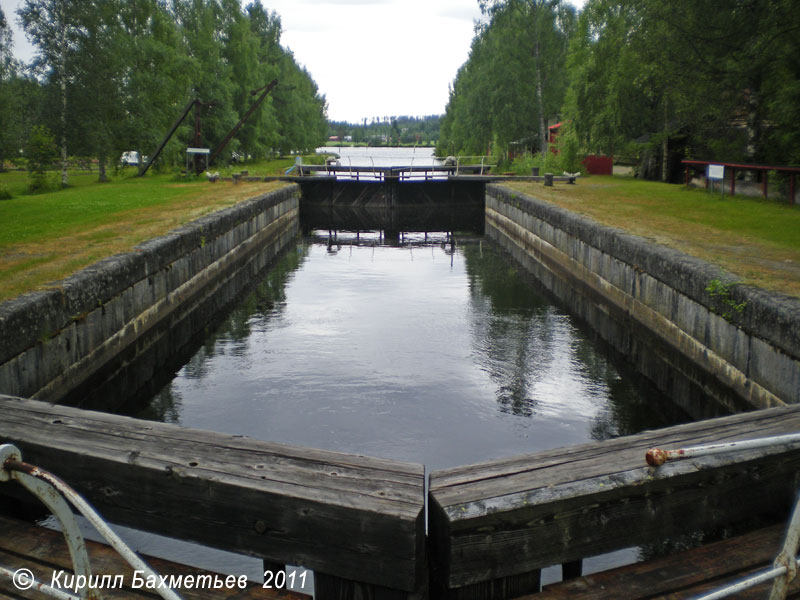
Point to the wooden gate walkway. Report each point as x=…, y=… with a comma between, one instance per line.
x=683, y=575
x=359, y=522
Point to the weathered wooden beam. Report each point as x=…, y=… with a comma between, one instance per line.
x=687, y=574
x=509, y=517
x=353, y=517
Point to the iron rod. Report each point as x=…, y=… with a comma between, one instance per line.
x=656, y=457
x=95, y=519
x=744, y=584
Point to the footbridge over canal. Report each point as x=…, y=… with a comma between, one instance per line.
x=402, y=185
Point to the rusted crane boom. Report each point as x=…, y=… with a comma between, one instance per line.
x=163, y=143
x=267, y=89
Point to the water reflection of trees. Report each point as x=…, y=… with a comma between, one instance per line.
x=226, y=334
x=520, y=336
x=512, y=328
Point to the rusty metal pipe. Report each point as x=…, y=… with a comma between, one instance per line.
x=656, y=457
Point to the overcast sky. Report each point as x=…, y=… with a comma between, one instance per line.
x=371, y=58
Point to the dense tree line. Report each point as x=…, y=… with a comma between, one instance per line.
x=514, y=81
x=113, y=75
x=648, y=80
x=387, y=131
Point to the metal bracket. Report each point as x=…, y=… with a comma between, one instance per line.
x=59, y=507
x=54, y=494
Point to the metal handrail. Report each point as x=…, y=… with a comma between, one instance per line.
x=782, y=573
x=54, y=494
x=785, y=567
x=656, y=457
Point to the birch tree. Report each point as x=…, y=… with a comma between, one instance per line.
x=52, y=27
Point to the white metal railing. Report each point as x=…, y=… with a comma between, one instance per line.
x=54, y=494
x=404, y=166
x=785, y=567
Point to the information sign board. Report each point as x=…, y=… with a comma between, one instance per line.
x=716, y=172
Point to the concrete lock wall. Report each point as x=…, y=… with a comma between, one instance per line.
x=52, y=341
x=737, y=344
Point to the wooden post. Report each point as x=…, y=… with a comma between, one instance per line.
x=571, y=570
x=764, y=184
x=504, y=588
x=733, y=181
x=329, y=587
x=791, y=188
x=548, y=180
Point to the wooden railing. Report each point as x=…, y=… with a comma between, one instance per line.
x=359, y=522
x=493, y=526
x=763, y=170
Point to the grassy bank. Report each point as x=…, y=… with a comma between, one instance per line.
x=757, y=241
x=47, y=237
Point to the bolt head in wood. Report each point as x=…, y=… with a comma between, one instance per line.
x=655, y=457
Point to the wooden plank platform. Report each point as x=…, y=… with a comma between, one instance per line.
x=351, y=517
x=493, y=522
x=44, y=552
x=682, y=575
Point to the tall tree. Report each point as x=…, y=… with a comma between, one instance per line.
x=156, y=74
x=8, y=73
x=98, y=87
x=52, y=26
x=688, y=78
x=513, y=83
x=201, y=23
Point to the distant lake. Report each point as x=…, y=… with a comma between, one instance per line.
x=382, y=156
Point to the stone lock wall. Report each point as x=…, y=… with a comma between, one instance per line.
x=651, y=303
x=51, y=341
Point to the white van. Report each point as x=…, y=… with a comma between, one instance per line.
x=130, y=159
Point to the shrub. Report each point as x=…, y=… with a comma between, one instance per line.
x=40, y=154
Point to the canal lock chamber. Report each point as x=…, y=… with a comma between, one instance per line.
x=506, y=340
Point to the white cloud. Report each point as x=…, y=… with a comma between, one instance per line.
x=380, y=58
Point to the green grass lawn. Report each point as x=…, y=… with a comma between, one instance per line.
x=46, y=237
x=756, y=240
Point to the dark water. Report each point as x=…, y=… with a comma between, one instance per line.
x=430, y=348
